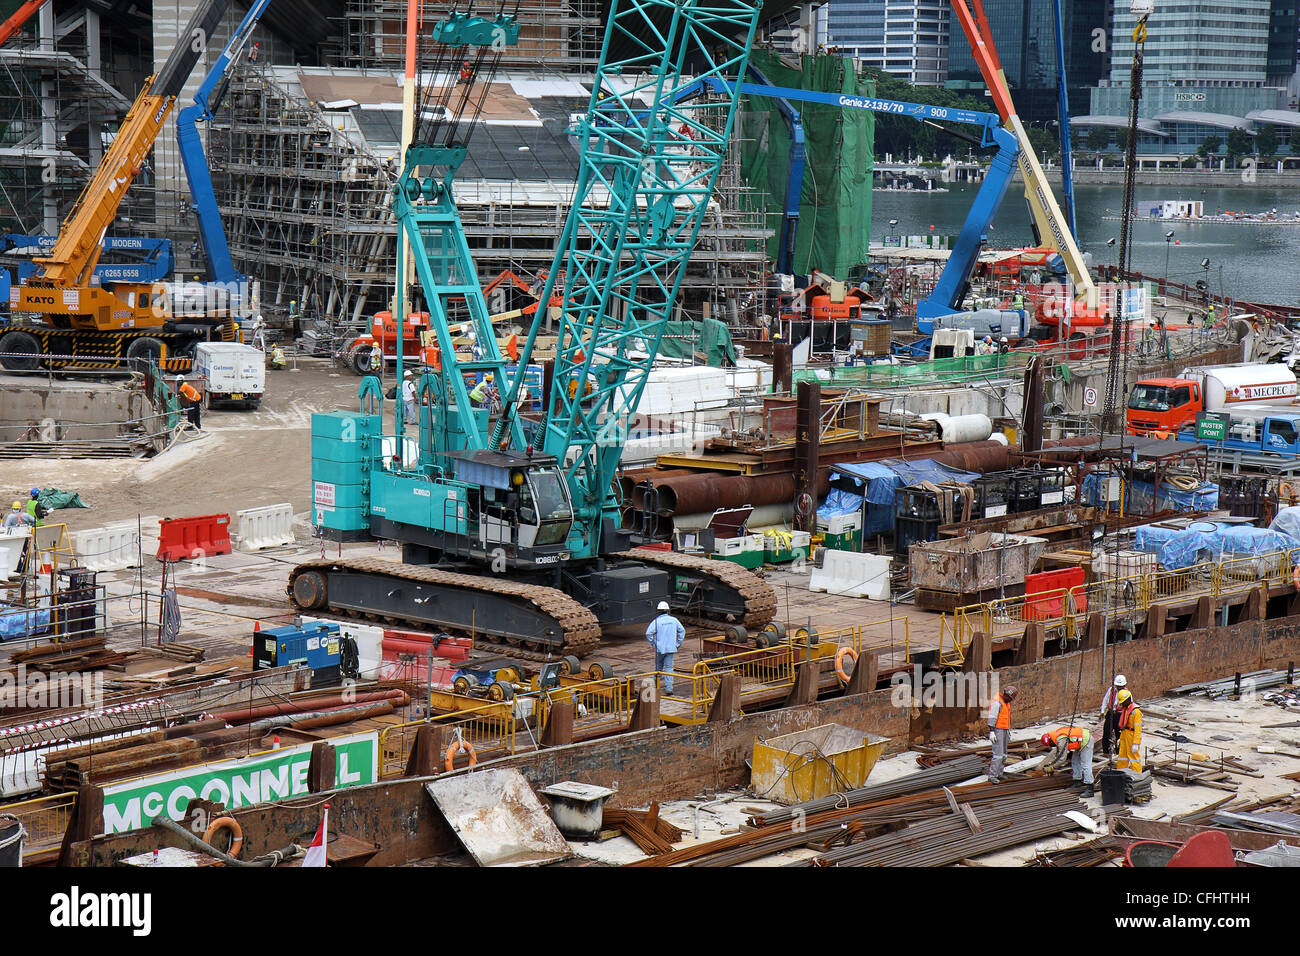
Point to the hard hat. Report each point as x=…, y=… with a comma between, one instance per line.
x=36, y=492
x=1047, y=740
x=180, y=378
x=18, y=506
x=1124, y=697
x=1121, y=680
x=1010, y=692
x=663, y=605
x=406, y=374
x=1003, y=339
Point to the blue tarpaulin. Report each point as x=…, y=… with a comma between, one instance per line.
x=1206, y=541
x=1137, y=497
x=881, y=479
x=1149, y=537
x=19, y=623
x=1287, y=522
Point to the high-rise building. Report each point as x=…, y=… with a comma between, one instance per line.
x=1024, y=32
x=906, y=38
x=1207, y=65
x=1283, y=31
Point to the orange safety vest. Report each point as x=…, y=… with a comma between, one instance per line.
x=188, y=392
x=1077, y=736
x=1126, y=716
x=1004, y=714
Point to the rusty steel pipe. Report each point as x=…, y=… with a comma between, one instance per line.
x=246, y=714
x=688, y=494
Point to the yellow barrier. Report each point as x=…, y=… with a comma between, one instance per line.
x=46, y=820
x=1115, y=596
x=597, y=704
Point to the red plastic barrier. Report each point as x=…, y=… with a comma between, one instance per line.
x=180, y=539
x=1051, y=606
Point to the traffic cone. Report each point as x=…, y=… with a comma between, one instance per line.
x=257, y=626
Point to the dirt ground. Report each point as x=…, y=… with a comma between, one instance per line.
x=240, y=459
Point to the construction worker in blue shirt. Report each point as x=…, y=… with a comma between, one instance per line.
x=666, y=634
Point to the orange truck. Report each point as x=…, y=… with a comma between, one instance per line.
x=1159, y=407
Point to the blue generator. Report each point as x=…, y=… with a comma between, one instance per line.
x=318, y=645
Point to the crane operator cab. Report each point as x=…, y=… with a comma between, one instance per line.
x=518, y=503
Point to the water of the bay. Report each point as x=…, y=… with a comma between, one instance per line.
x=1255, y=263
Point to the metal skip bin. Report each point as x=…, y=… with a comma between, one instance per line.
x=956, y=571
x=813, y=763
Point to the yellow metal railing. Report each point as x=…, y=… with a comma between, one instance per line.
x=758, y=670
x=857, y=637
x=690, y=691
x=46, y=820
x=500, y=728
x=597, y=704
x=1067, y=608
x=490, y=730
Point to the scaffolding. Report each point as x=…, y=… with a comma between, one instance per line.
x=307, y=204
x=563, y=34
x=54, y=111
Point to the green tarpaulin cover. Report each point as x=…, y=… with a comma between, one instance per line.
x=54, y=499
x=711, y=337
x=834, y=229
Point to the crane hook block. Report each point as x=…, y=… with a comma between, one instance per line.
x=459, y=29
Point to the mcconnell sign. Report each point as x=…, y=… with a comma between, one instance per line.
x=264, y=778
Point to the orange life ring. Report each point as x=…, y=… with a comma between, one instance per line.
x=842, y=653
x=221, y=824
x=456, y=747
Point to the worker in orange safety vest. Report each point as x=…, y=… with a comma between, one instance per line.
x=1130, y=733
x=1074, y=743
x=1000, y=731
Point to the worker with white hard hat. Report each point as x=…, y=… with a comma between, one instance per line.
x=190, y=400
x=1109, y=714
x=666, y=634
x=408, y=398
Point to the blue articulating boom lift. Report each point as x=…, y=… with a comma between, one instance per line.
x=509, y=528
x=212, y=234
x=149, y=259
x=943, y=306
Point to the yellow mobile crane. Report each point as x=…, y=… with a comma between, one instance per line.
x=61, y=316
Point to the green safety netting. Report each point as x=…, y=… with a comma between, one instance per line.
x=834, y=228
x=952, y=370
x=711, y=337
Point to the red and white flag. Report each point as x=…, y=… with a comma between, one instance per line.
x=316, y=852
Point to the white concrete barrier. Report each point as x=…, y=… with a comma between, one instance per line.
x=852, y=575
x=112, y=548
x=270, y=526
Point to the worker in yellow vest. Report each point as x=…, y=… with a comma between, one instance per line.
x=1130, y=733
x=35, y=510
x=1074, y=744
x=1000, y=731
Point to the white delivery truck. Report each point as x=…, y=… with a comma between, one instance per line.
x=233, y=373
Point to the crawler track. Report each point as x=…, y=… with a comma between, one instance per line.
x=574, y=629
x=759, y=598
